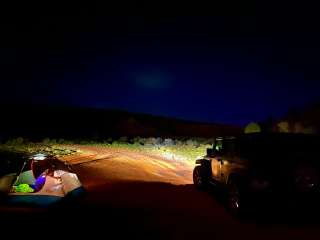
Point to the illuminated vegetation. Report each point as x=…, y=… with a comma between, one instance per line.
x=20, y=145
x=179, y=150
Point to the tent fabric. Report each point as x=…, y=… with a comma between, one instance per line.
x=58, y=186
x=75, y=193
x=33, y=200
x=52, y=187
x=43, y=200
x=26, y=177
x=49, y=185
x=70, y=182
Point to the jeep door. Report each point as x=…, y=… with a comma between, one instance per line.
x=228, y=160
x=216, y=158
x=222, y=161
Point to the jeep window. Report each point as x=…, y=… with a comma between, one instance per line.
x=218, y=146
x=224, y=147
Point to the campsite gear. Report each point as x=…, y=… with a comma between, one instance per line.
x=23, y=188
x=39, y=182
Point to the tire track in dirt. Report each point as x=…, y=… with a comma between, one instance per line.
x=103, y=164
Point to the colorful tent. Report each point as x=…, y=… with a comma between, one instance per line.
x=40, y=180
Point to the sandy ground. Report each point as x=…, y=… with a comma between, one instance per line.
x=123, y=165
x=148, y=197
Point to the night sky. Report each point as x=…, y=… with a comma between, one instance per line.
x=229, y=67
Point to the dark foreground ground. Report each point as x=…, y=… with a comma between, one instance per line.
x=141, y=210
x=114, y=208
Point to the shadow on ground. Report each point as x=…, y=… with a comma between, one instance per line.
x=147, y=210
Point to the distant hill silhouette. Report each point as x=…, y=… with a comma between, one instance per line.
x=303, y=120
x=38, y=122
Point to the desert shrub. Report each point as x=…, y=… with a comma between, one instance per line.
x=159, y=141
x=130, y=141
x=179, y=143
x=67, y=142
x=9, y=142
x=15, y=141
x=190, y=142
x=105, y=142
x=84, y=142
x=168, y=142
x=46, y=141
x=115, y=143
x=138, y=140
x=123, y=139
x=197, y=144
x=61, y=141
x=143, y=141
x=19, y=140
x=150, y=141
x=153, y=141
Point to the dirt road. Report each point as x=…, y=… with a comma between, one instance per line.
x=126, y=165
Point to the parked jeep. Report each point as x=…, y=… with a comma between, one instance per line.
x=258, y=166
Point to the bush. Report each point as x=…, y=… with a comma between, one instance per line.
x=46, y=141
x=153, y=141
x=150, y=141
x=168, y=142
x=83, y=142
x=123, y=139
x=138, y=140
x=115, y=143
x=68, y=142
x=178, y=143
x=15, y=141
x=159, y=141
x=143, y=141
x=190, y=142
x=19, y=140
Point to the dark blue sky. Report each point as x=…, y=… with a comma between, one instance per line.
x=221, y=68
